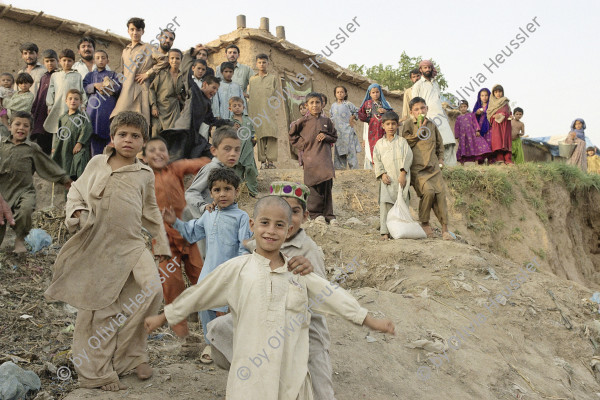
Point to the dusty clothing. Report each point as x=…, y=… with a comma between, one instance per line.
x=579, y=156
x=220, y=331
x=266, y=149
x=593, y=164
x=17, y=165
x=138, y=59
x=79, y=130
x=347, y=144
x=114, y=206
x=260, y=89
x=261, y=302
x=405, y=101
x=426, y=175
x=320, y=200
x=390, y=157
x=167, y=96
x=246, y=166
x=117, y=350
x=60, y=83
x=19, y=102
x=316, y=156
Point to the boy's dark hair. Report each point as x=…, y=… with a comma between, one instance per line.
x=222, y=133
x=518, y=109
x=67, y=53
x=154, y=139
x=464, y=102
x=236, y=99
x=172, y=32
x=232, y=46
x=176, y=51
x=49, y=54
x=390, y=116
x=226, y=175
x=262, y=56
x=210, y=79
x=199, y=61
x=101, y=51
x=130, y=118
x=22, y=114
x=227, y=65
x=498, y=88
x=416, y=100
x=88, y=39
x=302, y=104
x=345, y=91
x=29, y=47
x=311, y=95
x=74, y=91
x=302, y=203
x=591, y=148
x=414, y=72
x=137, y=22
x=204, y=50
x=265, y=202
x=12, y=78
x=323, y=98
x=24, y=77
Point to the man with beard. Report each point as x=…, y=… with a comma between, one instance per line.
x=29, y=53
x=415, y=75
x=242, y=73
x=86, y=48
x=428, y=89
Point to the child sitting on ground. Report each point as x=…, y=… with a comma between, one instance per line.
x=170, y=193
x=105, y=269
x=19, y=159
x=71, y=146
x=225, y=229
x=427, y=146
x=298, y=244
x=263, y=296
x=246, y=166
x=313, y=135
x=392, y=160
x=22, y=100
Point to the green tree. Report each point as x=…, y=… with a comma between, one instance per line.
x=399, y=78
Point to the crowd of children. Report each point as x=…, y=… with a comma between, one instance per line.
x=122, y=145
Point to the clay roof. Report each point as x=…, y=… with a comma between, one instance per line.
x=328, y=67
x=59, y=24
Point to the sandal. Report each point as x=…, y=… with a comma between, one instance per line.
x=206, y=356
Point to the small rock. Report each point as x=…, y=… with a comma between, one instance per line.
x=354, y=221
x=370, y=339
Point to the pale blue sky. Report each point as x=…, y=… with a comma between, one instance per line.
x=548, y=75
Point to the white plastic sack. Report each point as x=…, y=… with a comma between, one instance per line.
x=400, y=223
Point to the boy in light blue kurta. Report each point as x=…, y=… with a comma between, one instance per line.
x=225, y=228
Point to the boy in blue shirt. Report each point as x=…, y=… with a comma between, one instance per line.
x=225, y=229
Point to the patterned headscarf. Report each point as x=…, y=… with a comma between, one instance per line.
x=384, y=103
x=428, y=63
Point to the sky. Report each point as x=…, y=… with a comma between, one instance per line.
x=547, y=75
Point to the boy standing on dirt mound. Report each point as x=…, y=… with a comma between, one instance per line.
x=264, y=296
x=427, y=146
x=105, y=270
x=298, y=243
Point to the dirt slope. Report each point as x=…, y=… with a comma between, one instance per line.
x=530, y=347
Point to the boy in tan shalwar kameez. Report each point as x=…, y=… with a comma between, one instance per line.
x=141, y=62
x=427, y=146
x=105, y=269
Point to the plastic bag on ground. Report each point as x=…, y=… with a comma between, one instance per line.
x=38, y=239
x=400, y=223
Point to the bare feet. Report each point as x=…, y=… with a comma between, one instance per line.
x=447, y=236
x=143, y=371
x=20, y=246
x=114, y=387
x=428, y=230
x=385, y=237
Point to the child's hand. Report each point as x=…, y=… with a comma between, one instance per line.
x=572, y=135
x=477, y=134
x=386, y=179
x=381, y=110
x=402, y=180
x=320, y=137
x=253, y=142
x=169, y=215
x=77, y=148
x=155, y=112
x=154, y=322
x=98, y=86
x=499, y=118
x=211, y=207
x=300, y=265
x=140, y=78
x=382, y=325
x=236, y=126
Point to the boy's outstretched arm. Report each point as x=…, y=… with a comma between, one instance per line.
x=154, y=322
x=380, y=324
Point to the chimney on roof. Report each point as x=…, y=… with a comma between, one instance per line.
x=280, y=32
x=241, y=21
x=264, y=24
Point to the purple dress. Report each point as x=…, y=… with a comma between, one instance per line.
x=99, y=108
x=470, y=146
